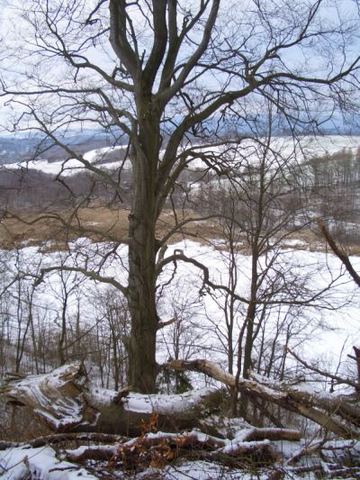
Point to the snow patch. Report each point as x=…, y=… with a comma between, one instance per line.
x=40, y=463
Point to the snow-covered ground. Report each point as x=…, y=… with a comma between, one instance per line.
x=72, y=166
x=320, y=334
x=326, y=330
x=38, y=463
x=298, y=150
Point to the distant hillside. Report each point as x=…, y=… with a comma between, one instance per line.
x=20, y=148
x=325, y=177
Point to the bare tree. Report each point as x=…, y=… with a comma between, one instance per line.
x=172, y=71
x=112, y=308
x=258, y=215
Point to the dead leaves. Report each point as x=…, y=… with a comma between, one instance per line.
x=156, y=449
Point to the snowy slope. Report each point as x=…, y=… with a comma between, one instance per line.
x=71, y=166
x=323, y=332
x=299, y=150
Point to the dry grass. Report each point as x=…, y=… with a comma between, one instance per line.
x=101, y=223
x=97, y=223
x=316, y=243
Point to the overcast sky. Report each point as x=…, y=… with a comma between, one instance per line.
x=11, y=25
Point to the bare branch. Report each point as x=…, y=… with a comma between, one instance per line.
x=87, y=273
x=340, y=254
x=323, y=373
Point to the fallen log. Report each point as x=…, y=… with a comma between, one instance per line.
x=64, y=438
x=56, y=398
x=66, y=401
x=94, y=452
x=339, y=414
x=276, y=434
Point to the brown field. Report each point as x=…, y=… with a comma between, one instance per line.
x=97, y=223
x=110, y=224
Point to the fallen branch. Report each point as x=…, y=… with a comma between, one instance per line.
x=74, y=437
x=92, y=453
x=259, y=452
x=276, y=434
x=158, y=449
x=336, y=413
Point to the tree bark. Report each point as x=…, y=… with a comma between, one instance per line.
x=141, y=302
x=142, y=246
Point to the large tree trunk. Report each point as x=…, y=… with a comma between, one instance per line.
x=142, y=249
x=141, y=302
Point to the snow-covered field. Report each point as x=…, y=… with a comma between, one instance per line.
x=71, y=166
x=298, y=150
